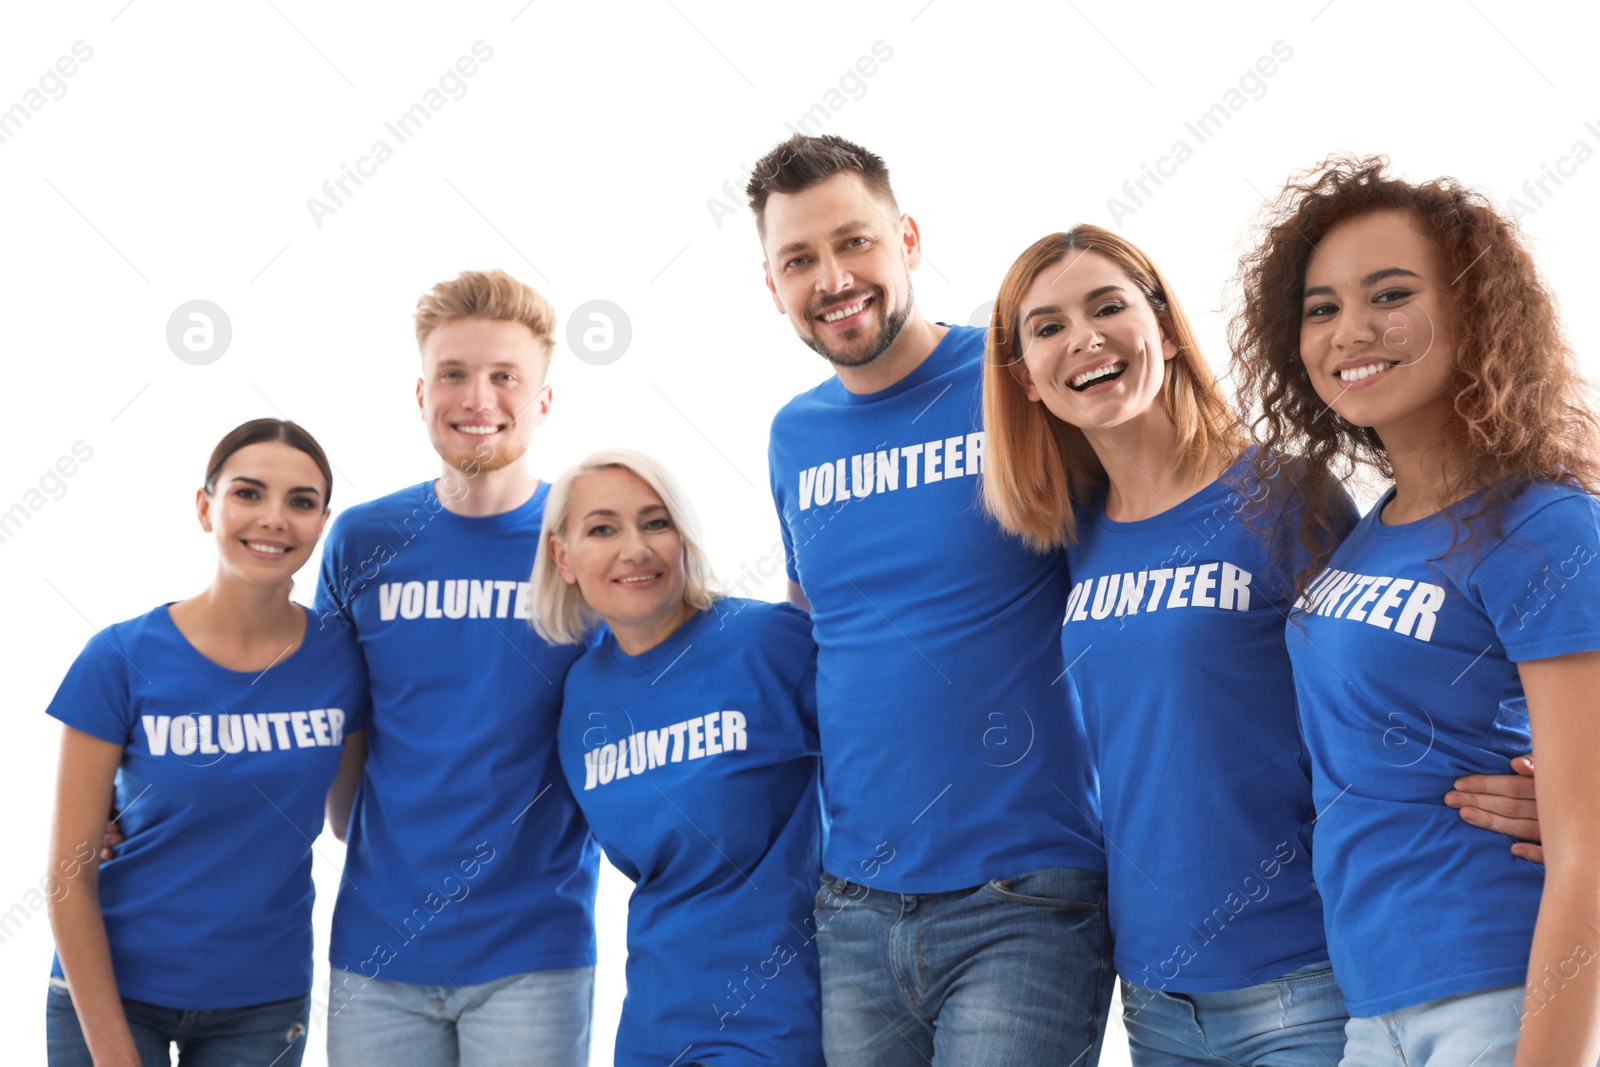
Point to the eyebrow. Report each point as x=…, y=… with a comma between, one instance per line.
x=1055, y=309
x=840, y=231
x=462, y=363
x=607, y=513
x=258, y=483
x=1371, y=279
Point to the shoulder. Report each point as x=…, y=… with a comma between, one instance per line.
x=967, y=342
x=376, y=513
x=762, y=619
x=802, y=406
x=1548, y=515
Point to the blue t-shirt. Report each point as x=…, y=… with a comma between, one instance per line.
x=1406, y=668
x=1174, y=630
x=695, y=763
x=468, y=859
x=221, y=790
x=952, y=742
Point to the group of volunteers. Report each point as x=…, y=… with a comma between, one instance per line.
x=1089, y=671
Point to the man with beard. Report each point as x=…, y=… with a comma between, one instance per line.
x=962, y=913
x=464, y=928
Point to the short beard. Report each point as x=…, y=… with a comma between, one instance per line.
x=893, y=323
x=483, y=459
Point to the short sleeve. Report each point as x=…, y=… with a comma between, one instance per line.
x=1540, y=586
x=345, y=656
x=795, y=653
x=777, y=502
x=94, y=697
x=328, y=599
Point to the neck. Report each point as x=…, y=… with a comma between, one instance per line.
x=488, y=492
x=637, y=638
x=237, y=610
x=914, y=343
x=1423, y=468
x=1137, y=456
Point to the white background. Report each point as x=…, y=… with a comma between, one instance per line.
x=583, y=157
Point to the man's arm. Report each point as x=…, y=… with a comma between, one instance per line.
x=797, y=597
x=342, y=794
x=1504, y=803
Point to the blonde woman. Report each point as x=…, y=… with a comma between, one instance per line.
x=688, y=736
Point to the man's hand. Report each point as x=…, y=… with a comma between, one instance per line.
x=1504, y=803
x=108, y=843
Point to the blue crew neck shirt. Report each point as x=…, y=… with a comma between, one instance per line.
x=695, y=763
x=220, y=793
x=952, y=742
x=1174, y=629
x=468, y=859
x=1405, y=659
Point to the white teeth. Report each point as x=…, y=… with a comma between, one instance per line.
x=631, y=581
x=1083, y=379
x=843, y=313
x=479, y=429
x=276, y=550
x=1355, y=374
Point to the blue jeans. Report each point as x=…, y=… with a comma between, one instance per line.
x=1294, y=1021
x=1014, y=971
x=541, y=1017
x=1478, y=1028
x=261, y=1035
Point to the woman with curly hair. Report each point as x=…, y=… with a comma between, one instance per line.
x=1107, y=435
x=1403, y=327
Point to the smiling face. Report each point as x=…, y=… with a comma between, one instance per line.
x=1374, y=331
x=625, y=555
x=839, y=262
x=482, y=391
x=267, y=510
x=1093, y=349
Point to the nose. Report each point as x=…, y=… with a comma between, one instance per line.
x=1352, y=329
x=832, y=275
x=480, y=395
x=635, y=548
x=1084, y=338
x=273, y=515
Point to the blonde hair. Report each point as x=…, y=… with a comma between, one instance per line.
x=560, y=614
x=1037, y=467
x=486, y=294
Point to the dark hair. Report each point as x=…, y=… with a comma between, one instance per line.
x=1521, y=414
x=255, y=432
x=801, y=162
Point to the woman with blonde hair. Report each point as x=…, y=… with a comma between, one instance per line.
x=1108, y=437
x=688, y=736
x=1404, y=327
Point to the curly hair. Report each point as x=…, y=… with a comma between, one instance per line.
x=1521, y=406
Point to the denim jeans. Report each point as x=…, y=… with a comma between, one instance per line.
x=1478, y=1028
x=261, y=1035
x=1014, y=971
x=1293, y=1021
x=541, y=1017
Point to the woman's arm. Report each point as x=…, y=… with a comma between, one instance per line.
x=342, y=794
x=1561, y=1006
x=83, y=796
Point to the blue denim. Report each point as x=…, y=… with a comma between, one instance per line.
x=1014, y=971
x=1478, y=1028
x=261, y=1035
x=541, y=1017
x=1293, y=1021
